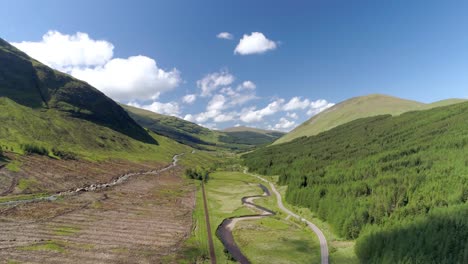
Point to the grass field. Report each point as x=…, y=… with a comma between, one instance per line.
x=268, y=240
x=340, y=250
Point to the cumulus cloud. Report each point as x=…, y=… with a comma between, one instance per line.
x=213, y=81
x=133, y=78
x=318, y=106
x=240, y=95
x=252, y=115
x=137, y=77
x=284, y=124
x=246, y=85
x=292, y=115
x=296, y=103
x=189, y=98
x=255, y=43
x=170, y=108
x=225, y=35
x=59, y=50
x=217, y=103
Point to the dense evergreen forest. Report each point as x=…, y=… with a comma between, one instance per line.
x=399, y=185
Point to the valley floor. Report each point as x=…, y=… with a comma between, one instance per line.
x=272, y=239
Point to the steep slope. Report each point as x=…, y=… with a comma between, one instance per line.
x=49, y=112
x=349, y=110
x=399, y=184
x=32, y=84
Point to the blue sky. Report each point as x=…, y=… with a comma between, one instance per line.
x=319, y=52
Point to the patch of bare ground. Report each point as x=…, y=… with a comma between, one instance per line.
x=45, y=174
x=144, y=220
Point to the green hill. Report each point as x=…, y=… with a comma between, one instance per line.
x=249, y=135
x=32, y=84
x=349, y=110
x=200, y=137
x=398, y=184
x=48, y=109
x=359, y=107
x=173, y=127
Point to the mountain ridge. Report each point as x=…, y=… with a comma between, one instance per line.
x=355, y=108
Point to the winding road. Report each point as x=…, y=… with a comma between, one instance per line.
x=96, y=187
x=314, y=228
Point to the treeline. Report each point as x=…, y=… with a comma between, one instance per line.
x=377, y=173
x=198, y=173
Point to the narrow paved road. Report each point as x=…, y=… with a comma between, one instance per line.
x=317, y=231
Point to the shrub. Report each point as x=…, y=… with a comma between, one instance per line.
x=34, y=149
x=65, y=155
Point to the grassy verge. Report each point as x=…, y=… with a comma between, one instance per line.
x=275, y=240
x=267, y=240
x=340, y=250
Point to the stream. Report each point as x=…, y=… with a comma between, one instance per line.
x=224, y=230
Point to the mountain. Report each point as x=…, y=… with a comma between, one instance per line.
x=199, y=137
x=249, y=135
x=173, y=127
x=32, y=84
x=42, y=110
x=397, y=184
x=251, y=129
x=349, y=110
x=359, y=107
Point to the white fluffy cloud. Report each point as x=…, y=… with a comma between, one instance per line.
x=247, y=85
x=137, y=77
x=213, y=81
x=225, y=35
x=292, y=115
x=255, y=43
x=189, y=98
x=170, y=108
x=296, y=103
x=318, y=106
x=217, y=103
x=133, y=78
x=251, y=115
x=284, y=124
x=60, y=50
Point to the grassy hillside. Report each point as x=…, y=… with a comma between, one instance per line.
x=349, y=110
x=397, y=184
x=173, y=127
x=53, y=129
x=445, y=103
x=43, y=109
x=200, y=137
x=32, y=84
x=249, y=135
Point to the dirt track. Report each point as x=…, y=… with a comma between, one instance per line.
x=143, y=220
